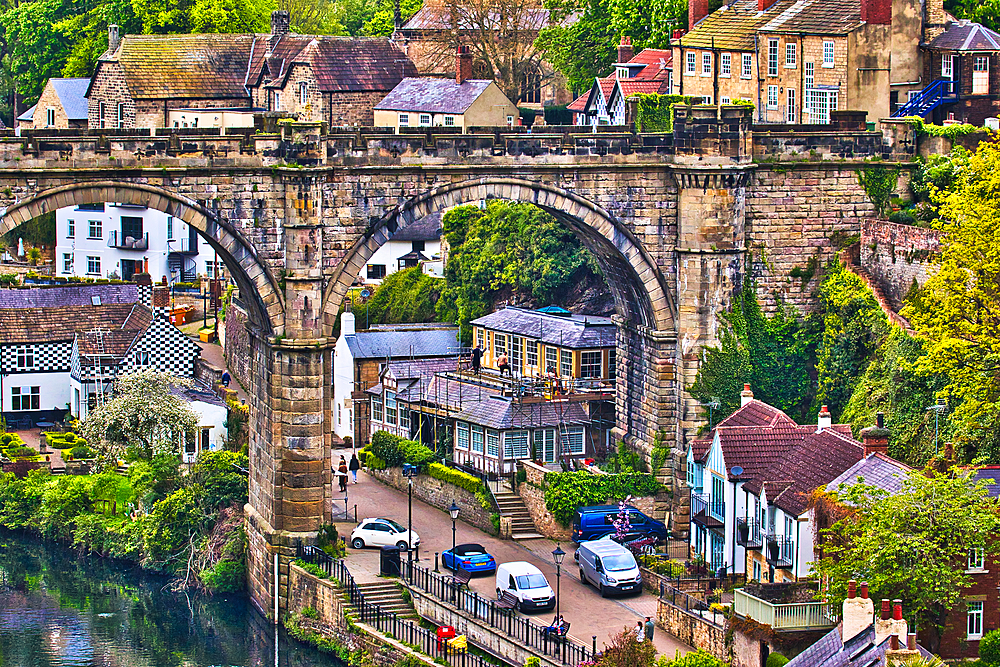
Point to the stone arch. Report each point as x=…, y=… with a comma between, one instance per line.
x=257, y=284
x=640, y=294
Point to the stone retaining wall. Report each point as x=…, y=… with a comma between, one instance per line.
x=896, y=255
x=237, y=344
x=440, y=494
x=693, y=630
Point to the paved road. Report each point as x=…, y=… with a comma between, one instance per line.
x=583, y=607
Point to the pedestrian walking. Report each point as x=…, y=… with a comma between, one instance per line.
x=477, y=358
x=503, y=364
x=649, y=628
x=226, y=379
x=342, y=474
x=640, y=633
x=354, y=466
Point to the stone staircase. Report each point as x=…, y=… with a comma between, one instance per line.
x=522, y=527
x=388, y=596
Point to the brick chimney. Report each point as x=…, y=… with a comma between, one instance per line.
x=857, y=611
x=279, y=26
x=935, y=20
x=876, y=11
x=764, y=4
x=876, y=438
x=825, y=420
x=625, y=51
x=746, y=395
x=463, y=65
x=697, y=10
x=114, y=41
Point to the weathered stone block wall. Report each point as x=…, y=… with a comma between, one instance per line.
x=109, y=88
x=692, y=630
x=897, y=255
x=440, y=494
x=353, y=109
x=237, y=344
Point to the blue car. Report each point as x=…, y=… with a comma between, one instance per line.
x=470, y=557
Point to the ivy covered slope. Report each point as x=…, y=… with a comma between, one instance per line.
x=189, y=525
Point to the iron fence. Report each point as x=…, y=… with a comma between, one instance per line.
x=691, y=605
x=525, y=631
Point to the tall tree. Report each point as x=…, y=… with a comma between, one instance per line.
x=958, y=311
x=912, y=545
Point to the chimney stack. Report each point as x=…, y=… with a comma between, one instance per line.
x=347, y=324
x=825, y=420
x=884, y=625
x=697, y=10
x=114, y=40
x=625, y=52
x=876, y=438
x=877, y=12
x=764, y=4
x=746, y=395
x=857, y=611
x=463, y=65
x=279, y=26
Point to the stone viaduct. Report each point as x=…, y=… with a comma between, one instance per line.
x=672, y=219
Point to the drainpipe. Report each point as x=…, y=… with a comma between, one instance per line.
x=277, y=581
x=756, y=60
x=798, y=545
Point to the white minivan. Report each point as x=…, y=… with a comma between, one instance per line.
x=609, y=566
x=526, y=583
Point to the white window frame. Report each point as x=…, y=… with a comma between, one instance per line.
x=586, y=367
x=404, y=120
x=706, y=63
x=95, y=230
x=521, y=439
x=531, y=353
x=25, y=399
x=492, y=443
x=378, y=413
x=303, y=92
x=71, y=229
x=170, y=228
x=725, y=100
x=462, y=435
x=25, y=357
x=566, y=363
x=121, y=115
x=791, y=55
x=977, y=560
x=790, y=105
x=974, y=616
x=947, y=66
x=810, y=75
x=726, y=65
x=612, y=363
x=516, y=354
x=277, y=100
x=772, y=97
x=391, y=408
x=690, y=62
x=449, y=121
x=772, y=57
x=981, y=75
x=573, y=441
x=551, y=358
x=829, y=54
x=93, y=265
x=621, y=72
x=477, y=443
x=425, y=119
x=747, y=70
x=67, y=262
x=50, y=117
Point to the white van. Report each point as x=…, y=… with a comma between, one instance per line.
x=609, y=566
x=527, y=583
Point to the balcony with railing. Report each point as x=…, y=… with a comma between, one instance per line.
x=779, y=551
x=749, y=534
x=122, y=242
x=793, y=617
x=707, y=511
x=188, y=246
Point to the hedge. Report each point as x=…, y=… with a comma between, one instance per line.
x=395, y=451
x=460, y=479
x=566, y=491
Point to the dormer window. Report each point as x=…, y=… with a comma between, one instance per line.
x=623, y=73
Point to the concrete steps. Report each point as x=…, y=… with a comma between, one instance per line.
x=388, y=596
x=522, y=526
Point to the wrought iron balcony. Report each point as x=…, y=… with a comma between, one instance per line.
x=115, y=240
x=707, y=511
x=779, y=551
x=790, y=617
x=749, y=534
x=183, y=246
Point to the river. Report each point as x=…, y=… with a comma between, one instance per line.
x=61, y=610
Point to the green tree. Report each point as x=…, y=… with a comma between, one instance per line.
x=986, y=12
x=409, y=295
x=912, y=545
x=583, y=49
x=36, y=49
x=223, y=476
x=958, y=311
x=232, y=16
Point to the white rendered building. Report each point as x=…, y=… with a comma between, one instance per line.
x=107, y=240
x=419, y=244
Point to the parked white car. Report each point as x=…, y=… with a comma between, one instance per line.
x=382, y=533
x=526, y=583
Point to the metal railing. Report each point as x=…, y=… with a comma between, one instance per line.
x=795, y=616
x=523, y=630
x=691, y=605
x=705, y=503
x=749, y=534
x=128, y=242
x=779, y=551
x=939, y=92
x=182, y=245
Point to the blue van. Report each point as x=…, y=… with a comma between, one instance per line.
x=596, y=521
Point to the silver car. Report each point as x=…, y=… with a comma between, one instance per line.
x=609, y=566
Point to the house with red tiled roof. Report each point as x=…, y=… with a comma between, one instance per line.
x=150, y=81
x=649, y=71
x=750, y=483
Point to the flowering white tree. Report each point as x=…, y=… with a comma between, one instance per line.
x=144, y=414
x=622, y=523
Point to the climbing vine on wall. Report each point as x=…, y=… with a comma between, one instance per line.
x=879, y=183
x=656, y=112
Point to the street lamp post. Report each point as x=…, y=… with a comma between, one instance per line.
x=409, y=471
x=558, y=556
x=453, y=511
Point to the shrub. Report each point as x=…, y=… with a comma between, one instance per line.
x=5, y=439
x=776, y=660
x=310, y=612
x=566, y=491
x=663, y=566
x=460, y=479
x=902, y=218
x=989, y=648
x=699, y=658
x=394, y=451
x=312, y=569
x=82, y=452
x=221, y=475
x=532, y=661
x=69, y=437
x=226, y=576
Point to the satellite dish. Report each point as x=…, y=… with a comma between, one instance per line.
x=366, y=293
x=736, y=471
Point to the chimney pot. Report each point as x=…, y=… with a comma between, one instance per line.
x=897, y=610
x=864, y=590
x=852, y=589
x=886, y=609
x=746, y=395
x=879, y=420
x=114, y=39
x=625, y=51
x=911, y=641
x=893, y=642
x=825, y=419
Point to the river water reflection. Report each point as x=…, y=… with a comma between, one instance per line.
x=60, y=610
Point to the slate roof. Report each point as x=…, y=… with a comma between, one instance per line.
x=50, y=325
x=73, y=96
x=966, y=36
x=576, y=332
x=502, y=413
x=28, y=115
x=733, y=26
x=427, y=228
x=859, y=651
x=818, y=17
x=404, y=343
x=876, y=470
x=990, y=475
x=434, y=95
x=68, y=295
x=414, y=377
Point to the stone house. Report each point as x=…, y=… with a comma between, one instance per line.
x=798, y=61
x=145, y=80
x=62, y=105
x=461, y=102
x=750, y=482
x=966, y=56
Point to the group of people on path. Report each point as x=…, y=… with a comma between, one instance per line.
x=346, y=467
x=644, y=631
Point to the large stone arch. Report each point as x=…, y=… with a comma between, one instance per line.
x=257, y=285
x=640, y=293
